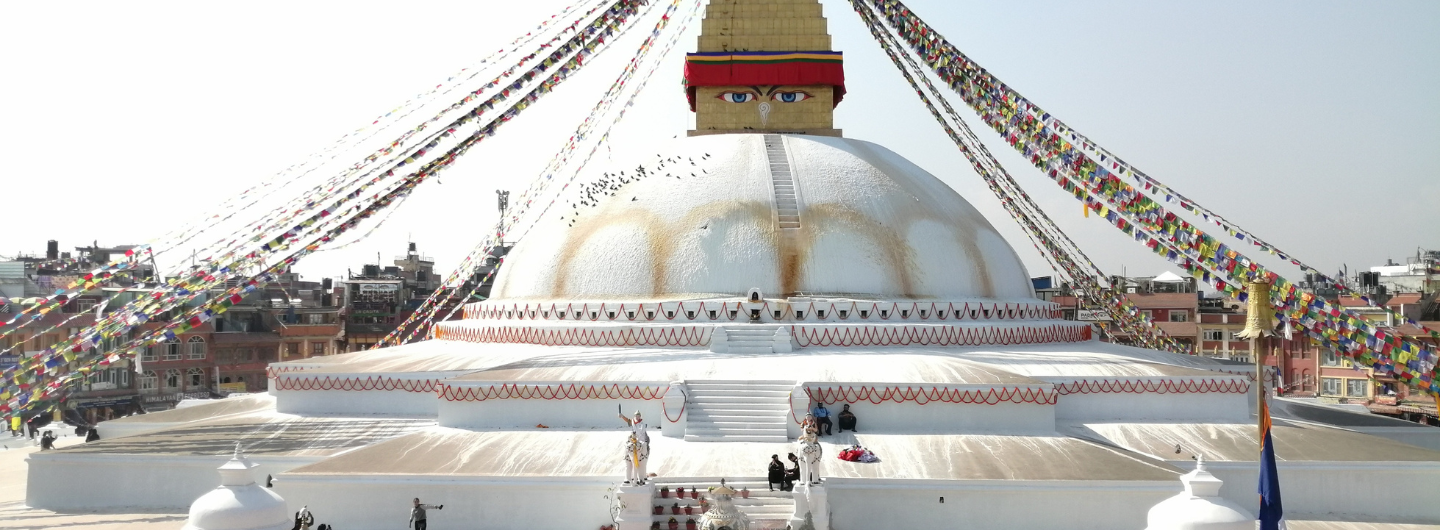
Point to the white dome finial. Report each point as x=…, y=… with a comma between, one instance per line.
x=239, y=503
x=1199, y=506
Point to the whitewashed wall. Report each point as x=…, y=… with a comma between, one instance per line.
x=1391, y=491
x=1188, y=407
x=383, y=402
x=60, y=481
x=935, y=417
x=556, y=413
x=376, y=503
x=1031, y=505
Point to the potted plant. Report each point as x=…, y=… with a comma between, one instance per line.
x=659, y=510
x=704, y=505
x=690, y=524
x=675, y=509
x=694, y=493
x=689, y=510
x=745, y=493
x=679, y=492
x=664, y=492
x=655, y=525
x=674, y=525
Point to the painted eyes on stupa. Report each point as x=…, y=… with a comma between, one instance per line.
x=738, y=97
x=791, y=97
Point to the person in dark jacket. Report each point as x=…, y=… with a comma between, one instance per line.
x=92, y=435
x=777, y=473
x=847, y=419
x=792, y=473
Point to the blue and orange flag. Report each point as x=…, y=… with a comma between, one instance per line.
x=1272, y=515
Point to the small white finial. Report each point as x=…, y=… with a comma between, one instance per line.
x=1199, y=462
x=238, y=453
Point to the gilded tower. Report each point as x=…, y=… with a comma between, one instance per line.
x=764, y=66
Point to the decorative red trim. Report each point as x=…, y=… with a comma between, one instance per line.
x=666, y=336
x=550, y=392
x=671, y=311
x=271, y=372
x=357, y=384
x=1166, y=386
x=924, y=396
x=937, y=335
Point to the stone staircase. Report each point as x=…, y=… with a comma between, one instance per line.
x=747, y=338
x=768, y=510
x=787, y=209
x=737, y=411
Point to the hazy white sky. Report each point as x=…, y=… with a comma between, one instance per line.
x=1310, y=123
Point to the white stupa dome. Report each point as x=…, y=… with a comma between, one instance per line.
x=871, y=225
x=1199, y=507
x=239, y=503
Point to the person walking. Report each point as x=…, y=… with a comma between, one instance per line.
x=417, y=513
x=822, y=420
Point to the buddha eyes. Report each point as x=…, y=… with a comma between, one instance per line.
x=738, y=97
x=795, y=96
x=791, y=97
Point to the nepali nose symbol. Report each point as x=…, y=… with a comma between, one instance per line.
x=764, y=108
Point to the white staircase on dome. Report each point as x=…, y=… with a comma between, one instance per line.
x=768, y=510
x=787, y=209
x=737, y=411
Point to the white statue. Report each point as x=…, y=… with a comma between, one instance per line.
x=637, y=450
x=810, y=455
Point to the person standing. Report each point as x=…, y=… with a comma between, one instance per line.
x=776, y=473
x=417, y=513
x=822, y=420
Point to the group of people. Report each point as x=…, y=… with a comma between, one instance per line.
x=822, y=419
x=781, y=476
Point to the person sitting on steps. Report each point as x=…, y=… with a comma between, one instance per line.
x=822, y=420
x=847, y=419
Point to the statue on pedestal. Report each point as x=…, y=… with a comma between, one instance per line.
x=637, y=450
x=810, y=455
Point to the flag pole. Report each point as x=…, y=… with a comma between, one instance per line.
x=1258, y=323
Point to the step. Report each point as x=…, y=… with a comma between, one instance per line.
x=745, y=382
x=734, y=414
x=778, y=438
x=766, y=401
x=738, y=392
x=739, y=386
x=709, y=430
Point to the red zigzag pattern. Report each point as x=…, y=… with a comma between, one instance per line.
x=1166, y=386
x=357, y=384
x=550, y=392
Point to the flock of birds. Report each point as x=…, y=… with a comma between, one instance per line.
x=609, y=184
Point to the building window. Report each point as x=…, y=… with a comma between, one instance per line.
x=315, y=318
x=197, y=347
x=292, y=349
x=148, y=381
x=1147, y=314
x=195, y=377
x=122, y=378
x=172, y=378
x=1329, y=358
x=172, y=350
x=1357, y=388
x=317, y=348
x=149, y=356
x=1330, y=386
x=1214, y=334
x=1179, y=315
